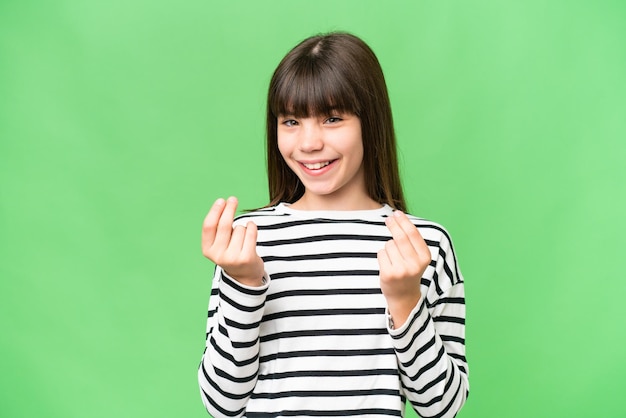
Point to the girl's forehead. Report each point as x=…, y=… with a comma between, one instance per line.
x=313, y=106
x=289, y=111
x=313, y=94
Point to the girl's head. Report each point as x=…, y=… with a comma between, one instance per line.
x=325, y=74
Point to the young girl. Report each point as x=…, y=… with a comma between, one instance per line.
x=331, y=301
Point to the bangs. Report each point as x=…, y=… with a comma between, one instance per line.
x=310, y=88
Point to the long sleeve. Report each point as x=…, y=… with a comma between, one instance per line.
x=314, y=340
x=430, y=346
x=229, y=368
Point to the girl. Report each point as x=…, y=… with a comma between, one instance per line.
x=331, y=301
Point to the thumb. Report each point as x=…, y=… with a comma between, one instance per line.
x=249, y=243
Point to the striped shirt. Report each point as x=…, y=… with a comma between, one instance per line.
x=315, y=339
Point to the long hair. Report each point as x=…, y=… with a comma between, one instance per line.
x=334, y=72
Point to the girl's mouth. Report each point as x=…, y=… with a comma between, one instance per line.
x=316, y=166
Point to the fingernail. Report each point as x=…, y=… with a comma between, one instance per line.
x=397, y=213
x=219, y=201
x=232, y=199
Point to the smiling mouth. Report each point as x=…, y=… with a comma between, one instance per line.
x=316, y=166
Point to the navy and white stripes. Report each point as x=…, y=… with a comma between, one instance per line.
x=314, y=340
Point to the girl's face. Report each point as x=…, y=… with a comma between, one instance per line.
x=326, y=153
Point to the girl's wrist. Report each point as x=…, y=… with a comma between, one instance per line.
x=252, y=282
x=400, y=310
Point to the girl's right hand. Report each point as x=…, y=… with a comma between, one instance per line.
x=233, y=249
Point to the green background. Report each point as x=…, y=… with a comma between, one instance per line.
x=122, y=121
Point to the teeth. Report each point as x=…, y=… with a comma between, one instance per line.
x=316, y=166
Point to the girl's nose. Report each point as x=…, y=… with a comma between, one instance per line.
x=311, y=138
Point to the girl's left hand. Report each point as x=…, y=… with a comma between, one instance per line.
x=402, y=263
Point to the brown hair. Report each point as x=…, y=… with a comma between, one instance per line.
x=335, y=71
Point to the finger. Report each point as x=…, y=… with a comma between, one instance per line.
x=411, y=231
x=402, y=241
x=404, y=222
x=393, y=254
x=384, y=263
x=209, y=226
x=249, y=243
x=236, y=240
x=225, y=224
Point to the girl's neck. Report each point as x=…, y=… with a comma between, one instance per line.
x=319, y=203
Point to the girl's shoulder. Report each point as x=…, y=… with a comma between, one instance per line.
x=259, y=216
x=430, y=230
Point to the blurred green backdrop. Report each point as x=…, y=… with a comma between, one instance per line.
x=122, y=121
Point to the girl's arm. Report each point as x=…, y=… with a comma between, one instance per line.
x=429, y=335
x=228, y=372
x=430, y=348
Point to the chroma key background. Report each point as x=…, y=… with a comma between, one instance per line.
x=122, y=121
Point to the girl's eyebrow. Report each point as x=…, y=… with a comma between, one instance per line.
x=333, y=111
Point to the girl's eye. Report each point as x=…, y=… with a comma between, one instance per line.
x=333, y=119
x=289, y=122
